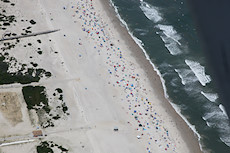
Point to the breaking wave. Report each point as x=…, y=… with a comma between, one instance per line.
x=171, y=39
x=151, y=12
x=217, y=118
x=167, y=33
x=210, y=96
x=199, y=72
x=186, y=76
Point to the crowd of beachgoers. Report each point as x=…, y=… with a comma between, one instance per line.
x=146, y=119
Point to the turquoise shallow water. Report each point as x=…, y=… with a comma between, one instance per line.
x=169, y=37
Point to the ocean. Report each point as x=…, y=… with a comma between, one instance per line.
x=167, y=34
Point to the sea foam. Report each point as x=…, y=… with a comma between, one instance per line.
x=223, y=109
x=151, y=12
x=199, y=72
x=210, y=96
x=140, y=44
x=141, y=32
x=171, y=38
x=186, y=76
x=168, y=34
x=216, y=117
x=224, y=127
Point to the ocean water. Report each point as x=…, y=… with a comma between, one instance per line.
x=166, y=33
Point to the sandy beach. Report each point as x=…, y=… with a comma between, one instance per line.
x=105, y=79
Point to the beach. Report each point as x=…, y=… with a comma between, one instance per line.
x=107, y=83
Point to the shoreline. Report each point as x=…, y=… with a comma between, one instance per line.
x=154, y=78
x=99, y=75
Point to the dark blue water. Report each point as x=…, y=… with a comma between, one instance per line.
x=169, y=37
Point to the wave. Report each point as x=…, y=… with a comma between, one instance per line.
x=208, y=115
x=214, y=114
x=217, y=118
x=141, y=32
x=171, y=39
x=223, y=109
x=140, y=44
x=151, y=12
x=224, y=138
x=186, y=76
x=210, y=96
x=168, y=34
x=199, y=72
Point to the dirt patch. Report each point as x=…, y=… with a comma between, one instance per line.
x=10, y=107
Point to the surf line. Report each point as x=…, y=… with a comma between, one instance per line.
x=172, y=38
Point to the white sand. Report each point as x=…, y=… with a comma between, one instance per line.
x=97, y=99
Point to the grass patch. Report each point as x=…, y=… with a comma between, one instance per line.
x=59, y=90
x=32, y=22
x=6, y=20
x=39, y=41
x=19, y=77
x=5, y=1
x=35, y=98
x=7, y=46
x=64, y=108
x=46, y=147
x=47, y=109
x=62, y=149
x=39, y=52
x=48, y=74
